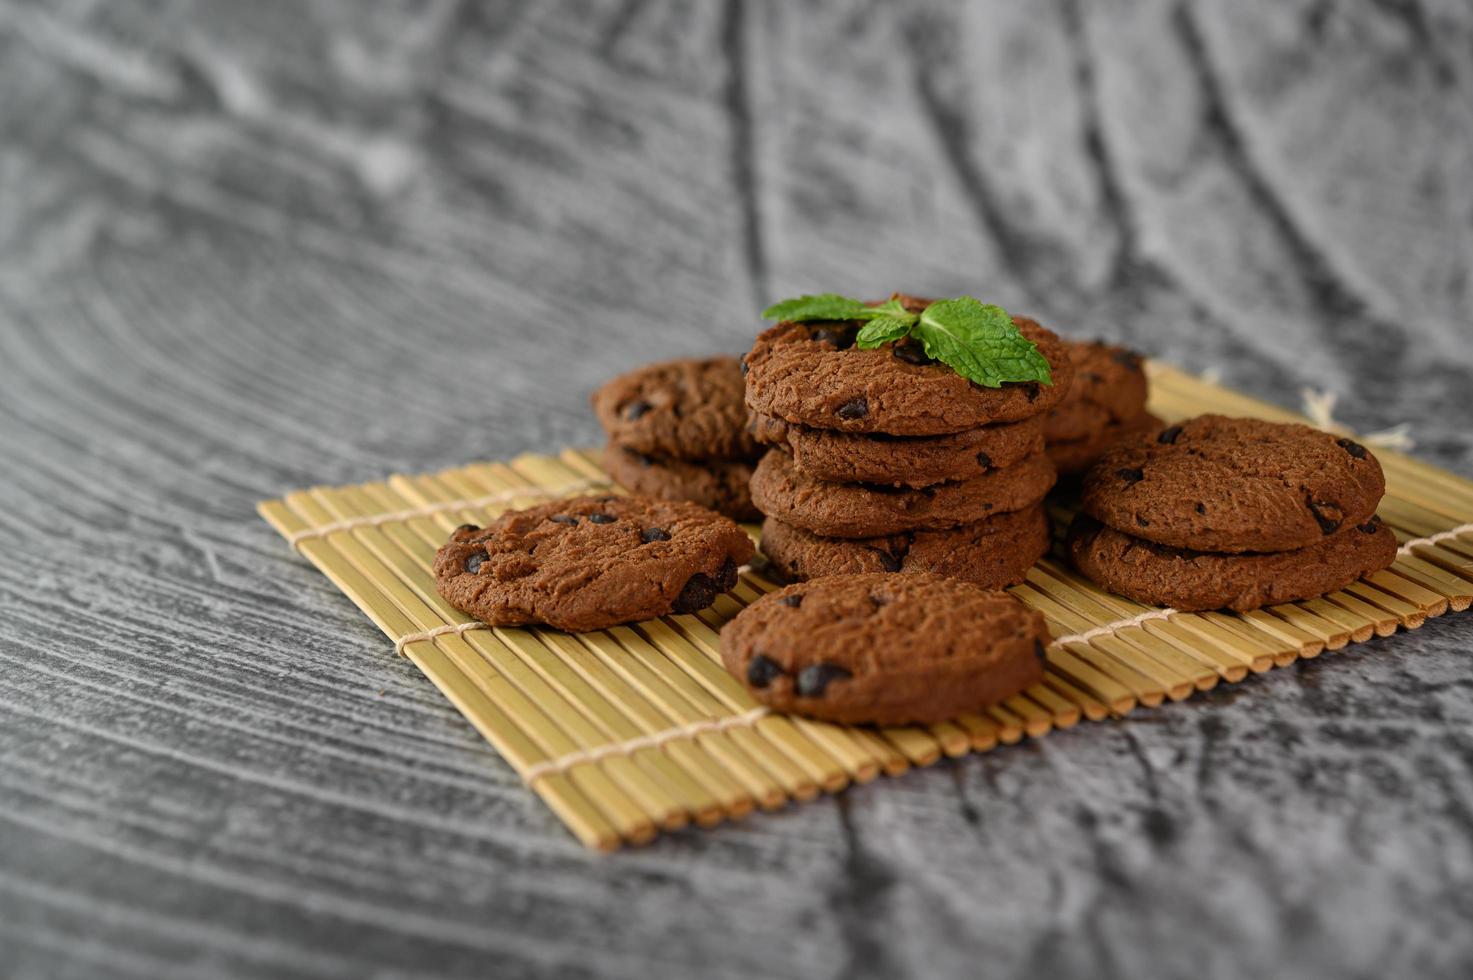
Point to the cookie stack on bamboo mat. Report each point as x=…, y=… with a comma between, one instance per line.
x=887, y=460
x=1238, y=513
x=678, y=431
x=1106, y=403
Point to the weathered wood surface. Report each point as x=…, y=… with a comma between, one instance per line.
x=247, y=247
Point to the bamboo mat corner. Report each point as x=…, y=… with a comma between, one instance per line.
x=637, y=729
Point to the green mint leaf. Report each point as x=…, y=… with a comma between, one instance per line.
x=825, y=306
x=980, y=342
x=882, y=330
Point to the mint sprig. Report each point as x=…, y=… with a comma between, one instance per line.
x=977, y=340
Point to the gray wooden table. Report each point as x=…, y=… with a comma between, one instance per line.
x=249, y=247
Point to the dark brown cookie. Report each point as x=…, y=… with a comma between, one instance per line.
x=857, y=510
x=720, y=485
x=885, y=649
x=1183, y=579
x=1074, y=456
x=686, y=409
x=1214, y=483
x=591, y=562
x=994, y=553
x=918, y=461
x=1109, y=388
x=813, y=375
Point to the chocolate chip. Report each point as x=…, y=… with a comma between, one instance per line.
x=567, y=519
x=1142, y=521
x=911, y=353
x=1371, y=526
x=1354, y=448
x=1130, y=474
x=699, y=592
x=473, y=562
x=1328, y=516
x=1169, y=434
x=1128, y=358
x=795, y=600
x=984, y=461
x=856, y=409
x=727, y=577
x=1201, y=508
x=468, y=527
x=601, y=518
x=635, y=409
x=889, y=562
x=814, y=680
x=1040, y=651
x=1032, y=391
x=837, y=336
x=762, y=671
x=654, y=534
x=745, y=368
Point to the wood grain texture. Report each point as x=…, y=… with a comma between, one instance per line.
x=247, y=247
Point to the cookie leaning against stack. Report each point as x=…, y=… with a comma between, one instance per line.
x=887, y=460
x=1237, y=513
x=1106, y=403
x=678, y=431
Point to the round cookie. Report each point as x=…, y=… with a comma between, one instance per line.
x=1187, y=580
x=856, y=457
x=857, y=510
x=1213, y=483
x=720, y=485
x=813, y=375
x=591, y=562
x=993, y=554
x=1109, y=387
x=686, y=409
x=885, y=649
x=1077, y=455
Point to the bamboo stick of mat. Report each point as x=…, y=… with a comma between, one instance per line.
x=634, y=730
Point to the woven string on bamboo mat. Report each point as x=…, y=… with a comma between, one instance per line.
x=632, y=730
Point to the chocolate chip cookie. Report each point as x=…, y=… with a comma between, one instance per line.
x=1160, y=575
x=685, y=409
x=993, y=553
x=591, y=562
x=856, y=457
x=721, y=485
x=1109, y=388
x=885, y=649
x=1074, y=456
x=1214, y=483
x=857, y=510
x=813, y=375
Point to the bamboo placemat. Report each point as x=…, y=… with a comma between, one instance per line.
x=637, y=729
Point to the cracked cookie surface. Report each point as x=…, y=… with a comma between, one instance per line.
x=591, y=562
x=1214, y=483
x=686, y=409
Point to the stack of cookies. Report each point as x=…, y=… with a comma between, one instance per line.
x=678, y=431
x=1106, y=403
x=1238, y=513
x=887, y=461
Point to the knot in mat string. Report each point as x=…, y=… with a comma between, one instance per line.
x=1319, y=408
x=1431, y=539
x=439, y=507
